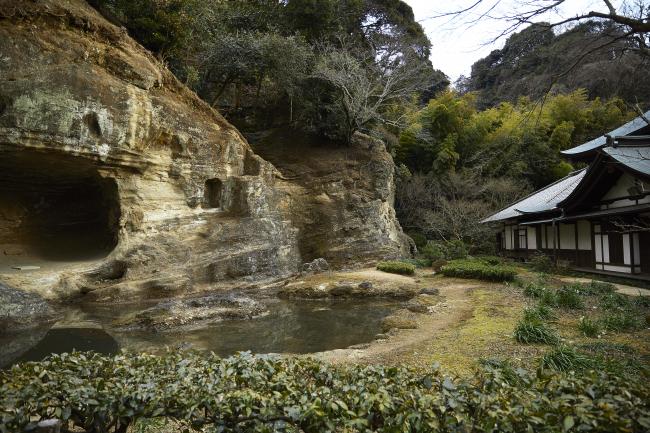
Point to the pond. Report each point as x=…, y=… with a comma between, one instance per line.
x=289, y=327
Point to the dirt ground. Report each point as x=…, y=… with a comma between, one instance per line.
x=475, y=320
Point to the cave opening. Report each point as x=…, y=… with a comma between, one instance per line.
x=55, y=209
x=213, y=193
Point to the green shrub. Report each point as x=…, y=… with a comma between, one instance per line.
x=596, y=288
x=491, y=260
x=588, y=327
x=396, y=267
x=569, y=297
x=538, y=313
x=535, y=331
x=543, y=278
x=472, y=268
x=197, y=392
x=418, y=238
x=456, y=249
x=621, y=321
x=548, y=298
x=565, y=358
x=450, y=250
x=615, y=302
x=433, y=251
x=541, y=263
x=534, y=290
x=642, y=301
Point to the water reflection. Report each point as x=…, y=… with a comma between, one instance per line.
x=290, y=327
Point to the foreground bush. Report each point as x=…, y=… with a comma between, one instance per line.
x=479, y=269
x=396, y=267
x=93, y=393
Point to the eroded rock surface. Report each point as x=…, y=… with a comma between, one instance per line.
x=192, y=313
x=119, y=182
x=367, y=283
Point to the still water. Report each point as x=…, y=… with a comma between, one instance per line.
x=290, y=327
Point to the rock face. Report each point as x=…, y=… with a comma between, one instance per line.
x=340, y=197
x=118, y=181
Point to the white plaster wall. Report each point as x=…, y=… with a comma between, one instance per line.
x=531, y=232
x=509, y=244
x=549, y=237
x=627, y=259
x=584, y=235
x=567, y=237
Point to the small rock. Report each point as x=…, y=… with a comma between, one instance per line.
x=341, y=289
x=430, y=291
x=367, y=285
x=26, y=268
x=315, y=266
x=416, y=307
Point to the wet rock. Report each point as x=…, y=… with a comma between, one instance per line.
x=192, y=313
x=21, y=310
x=430, y=291
x=315, y=266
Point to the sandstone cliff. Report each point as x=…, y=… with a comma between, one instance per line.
x=116, y=180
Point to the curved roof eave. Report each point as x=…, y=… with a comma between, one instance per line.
x=627, y=129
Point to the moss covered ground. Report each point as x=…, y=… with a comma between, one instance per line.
x=484, y=330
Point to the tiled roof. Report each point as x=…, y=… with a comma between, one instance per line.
x=629, y=128
x=542, y=200
x=635, y=157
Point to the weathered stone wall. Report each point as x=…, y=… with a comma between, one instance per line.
x=78, y=92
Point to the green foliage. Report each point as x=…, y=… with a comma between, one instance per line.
x=93, y=393
x=588, y=327
x=548, y=298
x=594, y=288
x=533, y=290
x=395, y=267
x=538, y=313
x=450, y=250
x=419, y=239
x=621, y=321
x=535, y=332
x=569, y=297
x=615, y=302
x=479, y=269
x=515, y=140
x=541, y=263
x=565, y=358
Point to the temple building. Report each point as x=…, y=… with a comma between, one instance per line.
x=596, y=219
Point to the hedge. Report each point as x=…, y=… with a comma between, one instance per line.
x=479, y=269
x=395, y=267
x=95, y=393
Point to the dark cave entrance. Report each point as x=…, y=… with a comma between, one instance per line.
x=55, y=208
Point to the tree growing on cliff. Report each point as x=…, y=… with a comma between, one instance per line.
x=365, y=85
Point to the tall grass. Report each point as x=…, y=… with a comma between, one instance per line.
x=569, y=297
x=535, y=332
x=566, y=358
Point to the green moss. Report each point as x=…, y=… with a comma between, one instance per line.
x=395, y=267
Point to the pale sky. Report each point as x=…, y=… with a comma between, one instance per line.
x=458, y=44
